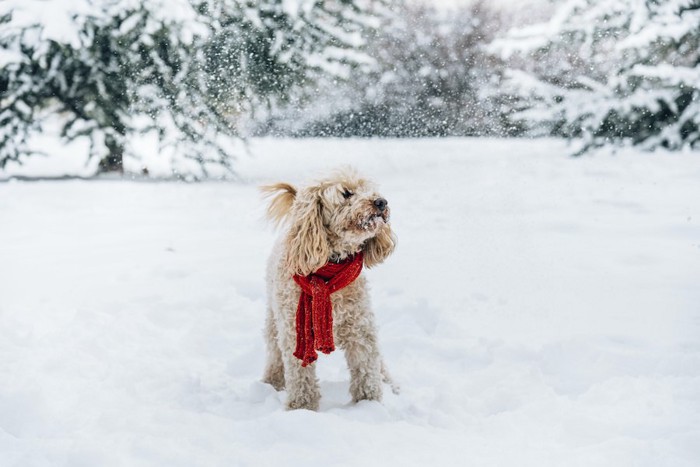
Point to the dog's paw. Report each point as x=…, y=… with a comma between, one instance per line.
x=367, y=392
x=303, y=402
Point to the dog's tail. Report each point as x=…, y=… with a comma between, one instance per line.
x=282, y=195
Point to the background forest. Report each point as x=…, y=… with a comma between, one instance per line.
x=123, y=78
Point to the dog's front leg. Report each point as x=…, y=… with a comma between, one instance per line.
x=303, y=391
x=364, y=362
x=274, y=367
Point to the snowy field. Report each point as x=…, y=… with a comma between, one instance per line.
x=539, y=311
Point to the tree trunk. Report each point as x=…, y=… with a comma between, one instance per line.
x=114, y=161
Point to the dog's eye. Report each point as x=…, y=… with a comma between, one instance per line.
x=347, y=193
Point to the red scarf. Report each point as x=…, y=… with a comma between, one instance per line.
x=315, y=311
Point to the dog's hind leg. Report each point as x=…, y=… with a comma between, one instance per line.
x=274, y=368
x=386, y=378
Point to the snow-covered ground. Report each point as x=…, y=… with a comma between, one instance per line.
x=539, y=311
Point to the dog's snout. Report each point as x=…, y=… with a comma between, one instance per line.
x=380, y=203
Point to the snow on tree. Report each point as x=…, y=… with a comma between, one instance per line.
x=623, y=71
x=118, y=72
x=266, y=50
x=109, y=70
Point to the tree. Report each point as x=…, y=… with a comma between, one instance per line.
x=266, y=48
x=124, y=71
x=626, y=71
x=182, y=72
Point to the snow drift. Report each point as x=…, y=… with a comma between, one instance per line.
x=539, y=311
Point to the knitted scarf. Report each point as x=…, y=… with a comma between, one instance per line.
x=315, y=311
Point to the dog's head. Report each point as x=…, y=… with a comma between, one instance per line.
x=332, y=219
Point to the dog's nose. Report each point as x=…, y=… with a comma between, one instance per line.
x=380, y=203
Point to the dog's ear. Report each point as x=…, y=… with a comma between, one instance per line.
x=282, y=197
x=307, y=240
x=377, y=248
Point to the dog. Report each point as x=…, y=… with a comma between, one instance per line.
x=340, y=221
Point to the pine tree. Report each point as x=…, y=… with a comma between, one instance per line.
x=182, y=71
x=621, y=71
x=125, y=71
x=267, y=49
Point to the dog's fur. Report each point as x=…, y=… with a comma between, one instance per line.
x=329, y=220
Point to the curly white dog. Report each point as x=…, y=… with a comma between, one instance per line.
x=317, y=296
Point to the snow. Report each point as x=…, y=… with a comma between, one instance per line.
x=539, y=311
x=54, y=17
x=60, y=20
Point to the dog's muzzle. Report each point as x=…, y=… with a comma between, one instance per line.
x=380, y=204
